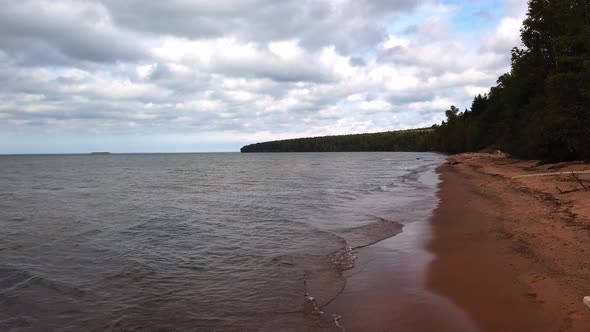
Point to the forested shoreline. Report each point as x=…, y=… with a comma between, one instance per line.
x=401, y=140
x=539, y=110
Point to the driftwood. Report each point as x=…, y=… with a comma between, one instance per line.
x=548, y=174
x=573, y=190
x=579, y=181
x=566, y=191
x=572, y=173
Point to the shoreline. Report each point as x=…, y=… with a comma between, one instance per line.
x=385, y=289
x=511, y=250
x=504, y=250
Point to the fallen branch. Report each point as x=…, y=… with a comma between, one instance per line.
x=567, y=191
x=548, y=174
x=579, y=181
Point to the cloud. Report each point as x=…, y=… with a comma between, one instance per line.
x=233, y=72
x=60, y=32
x=505, y=37
x=347, y=24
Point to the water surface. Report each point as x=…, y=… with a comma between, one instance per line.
x=194, y=241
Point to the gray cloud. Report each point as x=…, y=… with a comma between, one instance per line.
x=349, y=25
x=47, y=34
x=236, y=70
x=276, y=71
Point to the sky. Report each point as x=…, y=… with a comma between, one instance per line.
x=190, y=76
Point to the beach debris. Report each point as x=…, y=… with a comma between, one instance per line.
x=586, y=301
x=311, y=305
x=579, y=181
x=344, y=259
x=553, y=173
x=336, y=318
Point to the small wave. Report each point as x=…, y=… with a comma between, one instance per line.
x=384, y=187
x=282, y=260
x=364, y=235
x=90, y=232
x=14, y=280
x=345, y=258
x=414, y=174
x=237, y=242
x=321, y=275
x=310, y=305
x=12, y=323
x=341, y=260
x=381, y=188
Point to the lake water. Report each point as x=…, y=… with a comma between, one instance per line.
x=203, y=242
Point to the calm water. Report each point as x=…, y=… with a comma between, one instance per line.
x=194, y=241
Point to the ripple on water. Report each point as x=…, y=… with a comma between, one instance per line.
x=217, y=242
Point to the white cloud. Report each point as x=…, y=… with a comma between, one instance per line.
x=240, y=71
x=375, y=106
x=286, y=50
x=505, y=37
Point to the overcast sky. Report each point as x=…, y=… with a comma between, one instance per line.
x=180, y=75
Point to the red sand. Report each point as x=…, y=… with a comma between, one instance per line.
x=510, y=254
x=513, y=252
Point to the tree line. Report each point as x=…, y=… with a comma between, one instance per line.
x=538, y=110
x=402, y=140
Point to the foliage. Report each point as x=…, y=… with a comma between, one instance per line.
x=404, y=140
x=541, y=108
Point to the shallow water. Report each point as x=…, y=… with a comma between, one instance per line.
x=386, y=289
x=194, y=241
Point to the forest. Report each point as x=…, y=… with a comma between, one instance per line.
x=538, y=110
x=402, y=140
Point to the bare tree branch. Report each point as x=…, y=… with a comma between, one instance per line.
x=579, y=181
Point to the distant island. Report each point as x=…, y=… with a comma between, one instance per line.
x=538, y=110
x=100, y=152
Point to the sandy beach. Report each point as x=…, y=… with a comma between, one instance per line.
x=505, y=250
x=511, y=242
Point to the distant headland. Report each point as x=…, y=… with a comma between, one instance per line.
x=401, y=140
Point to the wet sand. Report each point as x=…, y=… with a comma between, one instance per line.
x=502, y=252
x=385, y=290
x=513, y=250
